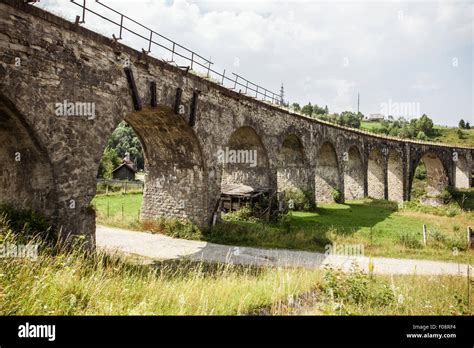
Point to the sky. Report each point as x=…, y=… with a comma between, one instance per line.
x=405, y=58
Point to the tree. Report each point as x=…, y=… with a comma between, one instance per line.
x=460, y=133
x=296, y=107
x=326, y=110
x=425, y=124
x=349, y=119
x=125, y=140
x=462, y=124
x=307, y=109
x=110, y=160
x=421, y=135
x=468, y=126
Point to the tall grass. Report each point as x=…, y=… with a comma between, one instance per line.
x=74, y=282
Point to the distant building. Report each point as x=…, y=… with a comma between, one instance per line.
x=375, y=117
x=126, y=171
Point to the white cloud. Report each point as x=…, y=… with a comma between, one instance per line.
x=393, y=49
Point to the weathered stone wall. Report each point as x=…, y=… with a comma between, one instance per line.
x=376, y=175
x=395, y=190
x=46, y=60
x=354, y=175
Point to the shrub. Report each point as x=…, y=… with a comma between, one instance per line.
x=174, y=228
x=356, y=287
x=447, y=195
x=300, y=198
x=337, y=196
x=25, y=223
x=244, y=214
x=420, y=172
x=410, y=241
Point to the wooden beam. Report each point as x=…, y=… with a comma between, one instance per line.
x=137, y=103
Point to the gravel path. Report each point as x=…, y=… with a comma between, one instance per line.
x=161, y=247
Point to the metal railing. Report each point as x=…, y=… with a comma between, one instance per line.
x=234, y=81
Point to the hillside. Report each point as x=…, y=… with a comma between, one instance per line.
x=447, y=135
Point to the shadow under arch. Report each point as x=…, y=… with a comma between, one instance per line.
x=354, y=175
x=26, y=176
x=436, y=174
x=376, y=174
x=175, y=174
x=327, y=177
x=462, y=173
x=395, y=177
x=292, y=165
x=245, y=160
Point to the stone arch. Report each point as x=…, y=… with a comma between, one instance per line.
x=327, y=178
x=395, y=177
x=376, y=174
x=462, y=173
x=353, y=175
x=291, y=167
x=26, y=175
x=436, y=174
x=245, y=160
x=175, y=180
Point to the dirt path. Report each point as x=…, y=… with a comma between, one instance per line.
x=162, y=247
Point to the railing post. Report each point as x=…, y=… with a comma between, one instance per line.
x=256, y=93
x=223, y=77
x=151, y=39
x=84, y=12
x=172, y=53
x=192, y=60
x=121, y=27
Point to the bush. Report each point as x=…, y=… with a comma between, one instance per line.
x=447, y=195
x=337, y=196
x=356, y=287
x=244, y=214
x=409, y=241
x=174, y=228
x=26, y=224
x=300, y=199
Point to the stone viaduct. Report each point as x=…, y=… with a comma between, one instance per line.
x=50, y=161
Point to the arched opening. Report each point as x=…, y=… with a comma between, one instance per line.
x=376, y=175
x=174, y=178
x=395, y=177
x=353, y=175
x=462, y=173
x=291, y=172
x=26, y=175
x=429, y=179
x=327, y=173
x=244, y=160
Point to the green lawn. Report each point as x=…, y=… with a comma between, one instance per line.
x=380, y=226
x=447, y=135
x=109, y=209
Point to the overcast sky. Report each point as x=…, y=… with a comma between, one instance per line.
x=397, y=54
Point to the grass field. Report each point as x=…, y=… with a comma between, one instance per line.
x=447, y=135
x=77, y=283
x=380, y=226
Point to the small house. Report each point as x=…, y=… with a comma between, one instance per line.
x=126, y=171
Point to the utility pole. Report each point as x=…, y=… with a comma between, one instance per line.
x=358, y=103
